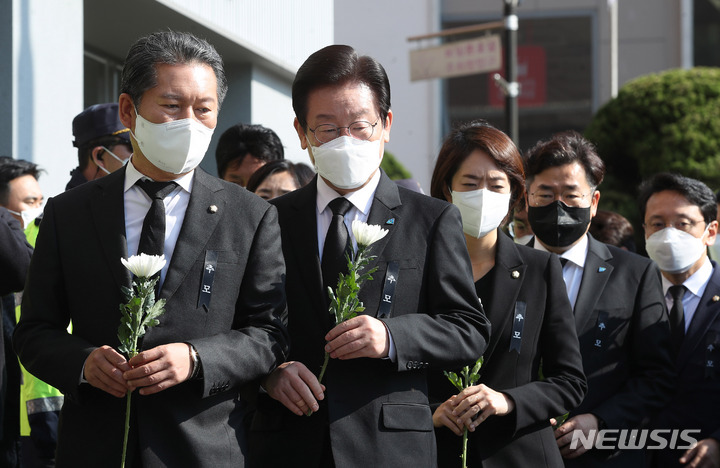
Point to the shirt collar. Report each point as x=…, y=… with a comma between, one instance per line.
x=575, y=254
x=132, y=175
x=361, y=199
x=697, y=283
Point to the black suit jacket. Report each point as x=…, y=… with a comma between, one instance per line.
x=622, y=325
x=528, y=282
x=696, y=402
x=76, y=274
x=376, y=410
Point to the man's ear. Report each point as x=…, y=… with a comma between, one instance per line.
x=96, y=156
x=595, y=203
x=126, y=111
x=712, y=233
x=301, y=133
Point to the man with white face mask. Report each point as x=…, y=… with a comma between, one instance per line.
x=679, y=218
x=372, y=409
x=222, y=329
x=103, y=143
x=20, y=192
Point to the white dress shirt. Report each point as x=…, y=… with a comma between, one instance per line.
x=573, y=269
x=361, y=202
x=695, y=285
x=137, y=204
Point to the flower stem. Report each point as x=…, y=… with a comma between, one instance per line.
x=464, y=453
x=127, y=428
x=324, y=367
x=127, y=413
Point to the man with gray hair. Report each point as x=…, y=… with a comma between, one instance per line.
x=223, y=326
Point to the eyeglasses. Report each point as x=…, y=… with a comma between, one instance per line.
x=360, y=130
x=569, y=197
x=682, y=225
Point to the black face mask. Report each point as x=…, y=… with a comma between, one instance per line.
x=557, y=224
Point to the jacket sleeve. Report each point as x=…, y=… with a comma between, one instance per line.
x=454, y=332
x=46, y=315
x=258, y=340
x=563, y=386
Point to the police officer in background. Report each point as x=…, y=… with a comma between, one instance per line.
x=102, y=141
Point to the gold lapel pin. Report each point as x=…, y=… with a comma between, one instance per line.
x=515, y=274
x=212, y=209
x=716, y=298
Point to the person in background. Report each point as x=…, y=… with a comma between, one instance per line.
x=22, y=199
x=243, y=149
x=679, y=219
x=102, y=141
x=420, y=313
x=714, y=250
x=20, y=191
x=223, y=327
x=15, y=254
x=614, y=229
x=277, y=178
x=617, y=300
x=519, y=228
x=508, y=412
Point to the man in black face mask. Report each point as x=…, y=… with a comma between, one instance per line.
x=617, y=299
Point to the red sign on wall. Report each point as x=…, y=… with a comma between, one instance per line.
x=532, y=77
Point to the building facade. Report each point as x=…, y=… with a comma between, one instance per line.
x=58, y=57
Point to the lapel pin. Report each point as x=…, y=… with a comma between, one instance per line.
x=601, y=269
x=390, y=221
x=515, y=274
x=716, y=298
x=212, y=209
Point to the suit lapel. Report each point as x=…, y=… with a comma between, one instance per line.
x=304, y=246
x=198, y=225
x=707, y=312
x=107, y=209
x=509, y=277
x=595, y=276
x=385, y=200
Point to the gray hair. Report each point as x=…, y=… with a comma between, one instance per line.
x=167, y=47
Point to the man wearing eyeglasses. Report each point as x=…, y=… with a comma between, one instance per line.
x=421, y=309
x=679, y=216
x=617, y=300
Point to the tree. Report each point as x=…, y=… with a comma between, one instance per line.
x=668, y=121
x=394, y=169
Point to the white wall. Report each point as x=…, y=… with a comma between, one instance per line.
x=47, y=86
x=272, y=107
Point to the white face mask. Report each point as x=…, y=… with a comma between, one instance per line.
x=121, y=161
x=347, y=162
x=482, y=210
x=523, y=240
x=28, y=216
x=675, y=251
x=176, y=147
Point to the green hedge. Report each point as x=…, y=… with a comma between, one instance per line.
x=668, y=121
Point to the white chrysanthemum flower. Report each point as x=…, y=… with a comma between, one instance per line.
x=143, y=265
x=367, y=234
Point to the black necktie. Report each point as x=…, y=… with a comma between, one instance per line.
x=152, y=237
x=677, y=315
x=337, y=244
